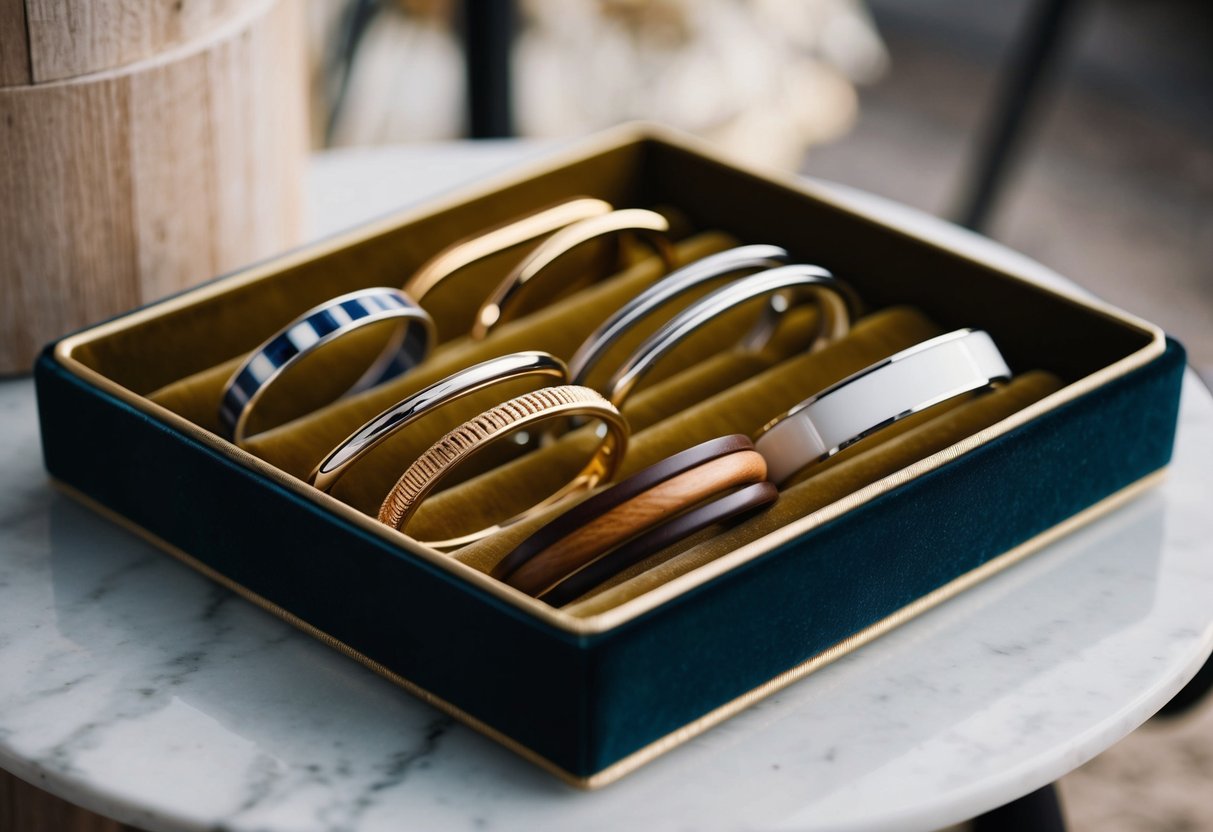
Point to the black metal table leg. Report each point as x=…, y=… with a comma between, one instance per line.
x=1039, y=811
x=1021, y=85
x=356, y=18
x=488, y=36
x=1192, y=693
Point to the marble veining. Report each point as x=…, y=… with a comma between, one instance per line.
x=135, y=687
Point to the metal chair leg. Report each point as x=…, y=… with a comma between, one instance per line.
x=356, y=18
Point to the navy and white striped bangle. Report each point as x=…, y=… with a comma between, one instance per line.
x=414, y=336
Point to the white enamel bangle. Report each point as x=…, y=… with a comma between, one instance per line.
x=908, y=382
x=452, y=388
x=797, y=278
x=313, y=330
x=707, y=269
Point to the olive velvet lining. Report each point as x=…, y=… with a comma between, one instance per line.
x=743, y=408
x=860, y=465
x=707, y=389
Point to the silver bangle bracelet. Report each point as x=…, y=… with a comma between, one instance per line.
x=453, y=387
x=901, y=385
x=676, y=283
x=404, y=347
x=832, y=300
x=310, y=332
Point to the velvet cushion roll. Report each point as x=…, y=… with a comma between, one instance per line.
x=706, y=389
x=742, y=408
x=848, y=472
x=452, y=305
x=297, y=446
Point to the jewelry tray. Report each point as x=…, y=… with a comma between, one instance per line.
x=593, y=690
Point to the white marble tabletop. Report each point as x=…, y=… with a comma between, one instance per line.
x=136, y=688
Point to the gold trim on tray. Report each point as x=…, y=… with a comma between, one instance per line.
x=609, y=140
x=692, y=729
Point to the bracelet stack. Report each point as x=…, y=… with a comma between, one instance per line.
x=593, y=530
x=662, y=504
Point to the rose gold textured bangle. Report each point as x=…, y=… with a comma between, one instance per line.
x=475, y=434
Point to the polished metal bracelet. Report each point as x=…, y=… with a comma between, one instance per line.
x=473, y=436
x=310, y=332
x=807, y=281
x=708, y=269
x=452, y=388
x=901, y=385
x=502, y=304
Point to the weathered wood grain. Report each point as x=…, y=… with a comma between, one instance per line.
x=14, y=44
x=637, y=515
x=69, y=38
x=121, y=187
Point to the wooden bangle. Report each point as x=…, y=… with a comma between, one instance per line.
x=635, y=517
x=740, y=502
x=602, y=502
x=420, y=478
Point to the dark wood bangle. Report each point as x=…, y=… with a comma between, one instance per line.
x=744, y=500
x=587, y=510
x=706, y=481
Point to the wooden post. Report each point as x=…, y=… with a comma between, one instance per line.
x=122, y=185
x=26, y=808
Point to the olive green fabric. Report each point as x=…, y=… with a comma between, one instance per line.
x=706, y=388
x=742, y=408
x=898, y=446
x=196, y=395
x=614, y=690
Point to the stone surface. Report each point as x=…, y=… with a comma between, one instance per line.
x=138, y=689
x=1113, y=187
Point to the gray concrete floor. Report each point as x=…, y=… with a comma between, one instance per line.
x=1113, y=189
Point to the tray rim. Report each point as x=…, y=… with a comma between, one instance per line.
x=584, y=626
x=641, y=756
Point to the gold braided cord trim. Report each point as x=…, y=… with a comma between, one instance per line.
x=461, y=442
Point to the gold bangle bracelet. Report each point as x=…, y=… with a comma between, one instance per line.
x=420, y=478
x=648, y=226
x=465, y=252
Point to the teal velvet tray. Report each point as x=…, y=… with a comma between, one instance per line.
x=593, y=698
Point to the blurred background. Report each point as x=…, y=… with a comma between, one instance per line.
x=1079, y=132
